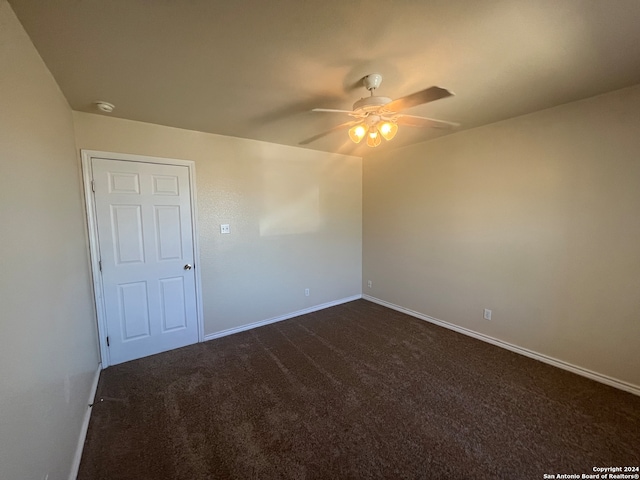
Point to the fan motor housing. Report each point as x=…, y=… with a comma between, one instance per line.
x=370, y=104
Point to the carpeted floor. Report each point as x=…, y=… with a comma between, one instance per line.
x=353, y=391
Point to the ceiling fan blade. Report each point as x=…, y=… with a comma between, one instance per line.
x=413, y=121
x=331, y=110
x=423, y=96
x=320, y=135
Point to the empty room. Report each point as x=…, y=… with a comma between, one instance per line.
x=308, y=240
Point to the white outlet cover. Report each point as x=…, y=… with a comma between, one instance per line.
x=487, y=314
x=225, y=228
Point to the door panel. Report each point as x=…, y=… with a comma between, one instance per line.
x=134, y=315
x=143, y=215
x=165, y=185
x=168, y=228
x=126, y=225
x=173, y=306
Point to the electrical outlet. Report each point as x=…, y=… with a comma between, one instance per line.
x=369, y=284
x=487, y=314
x=306, y=292
x=225, y=228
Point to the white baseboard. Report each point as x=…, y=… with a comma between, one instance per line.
x=75, y=466
x=598, y=377
x=249, y=326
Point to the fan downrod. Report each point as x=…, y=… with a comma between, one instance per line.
x=374, y=102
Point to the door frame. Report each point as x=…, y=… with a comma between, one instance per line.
x=94, y=245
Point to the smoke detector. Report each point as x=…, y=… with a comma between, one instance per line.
x=105, y=107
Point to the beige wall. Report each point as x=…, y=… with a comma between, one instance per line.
x=295, y=217
x=48, y=347
x=536, y=218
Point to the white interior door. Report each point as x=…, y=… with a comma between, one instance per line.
x=143, y=216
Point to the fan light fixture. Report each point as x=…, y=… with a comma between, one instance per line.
x=373, y=137
x=357, y=133
x=383, y=128
x=388, y=130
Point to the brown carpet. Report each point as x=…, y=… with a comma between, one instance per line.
x=353, y=391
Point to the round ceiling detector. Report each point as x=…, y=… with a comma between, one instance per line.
x=105, y=107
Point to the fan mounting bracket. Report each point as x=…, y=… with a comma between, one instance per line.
x=372, y=81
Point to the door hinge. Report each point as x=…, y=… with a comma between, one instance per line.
x=108, y=341
x=100, y=264
x=93, y=185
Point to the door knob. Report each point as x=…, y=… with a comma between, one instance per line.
x=188, y=266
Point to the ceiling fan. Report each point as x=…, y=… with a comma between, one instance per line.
x=377, y=116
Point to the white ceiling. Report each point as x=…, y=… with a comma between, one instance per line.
x=255, y=68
